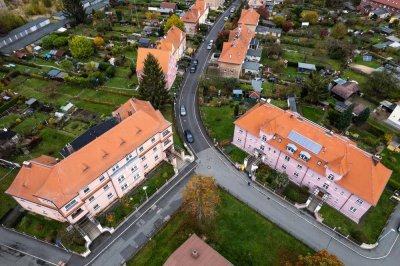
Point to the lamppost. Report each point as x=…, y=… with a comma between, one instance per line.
x=145, y=188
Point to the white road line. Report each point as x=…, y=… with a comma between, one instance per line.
x=26, y=253
x=145, y=212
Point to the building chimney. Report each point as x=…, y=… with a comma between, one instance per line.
x=27, y=164
x=195, y=254
x=376, y=158
x=70, y=148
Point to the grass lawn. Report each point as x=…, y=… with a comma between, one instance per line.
x=6, y=178
x=239, y=234
x=127, y=205
x=280, y=103
x=75, y=127
x=371, y=224
x=374, y=63
x=235, y=154
x=313, y=113
x=26, y=126
x=7, y=120
x=392, y=161
x=219, y=122
x=350, y=74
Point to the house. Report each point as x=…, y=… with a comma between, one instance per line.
x=82, y=185
x=168, y=5
x=385, y=29
x=215, y=4
x=32, y=102
x=20, y=55
x=256, y=84
x=144, y=42
x=342, y=106
x=358, y=109
x=251, y=68
x=306, y=68
x=166, y=60
x=174, y=41
x=345, y=91
x=269, y=31
x=67, y=108
x=249, y=18
x=195, y=252
x=394, y=118
x=196, y=15
x=256, y=3
x=56, y=74
x=253, y=55
x=56, y=54
x=387, y=106
x=254, y=95
x=379, y=13
x=392, y=7
x=331, y=166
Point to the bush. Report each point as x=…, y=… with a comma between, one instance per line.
x=60, y=42
x=47, y=3
x=81, y=47
x=13, y=74
x=48, y=41
x=104, y=65
x=110, y=71
x=9, y=20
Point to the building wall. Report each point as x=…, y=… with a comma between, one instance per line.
x=229, y=70
x=40, y=209
x=355, y=210
x=172, y=70
x=190, y=28
x=375, y=5
x=395, y=115
x=214, y=4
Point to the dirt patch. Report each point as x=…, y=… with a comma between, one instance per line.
x=362, y=69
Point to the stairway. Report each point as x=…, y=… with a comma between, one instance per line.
x=89, y=228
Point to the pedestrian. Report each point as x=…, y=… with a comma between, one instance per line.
x=248, y=183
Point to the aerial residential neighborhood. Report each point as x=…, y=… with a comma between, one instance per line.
x=208, y=132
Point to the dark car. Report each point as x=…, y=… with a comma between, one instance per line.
x=193, y=69
x=189, y=136
x=195, y=62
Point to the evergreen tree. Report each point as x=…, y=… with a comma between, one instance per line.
x=341, y=120
x=152, y=86
x=315, y=88
x=362, y=117
x=73, y=9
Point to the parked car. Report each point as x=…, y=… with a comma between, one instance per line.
x=183, y=110
x=195, y=62
x=226, y=18
x=193, y=69
x=189, y=136
x=209, y=47
x=211, y=41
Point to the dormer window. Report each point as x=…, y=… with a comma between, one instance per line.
x=305, y=156
x=319, y=163
x=264, y=138
x=274, y=137
x=279, y=140
x=291, y=148
x=330, y=177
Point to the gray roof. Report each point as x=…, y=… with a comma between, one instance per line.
x=307, y=66
x=253, y=52
x=292, y=104
x=379, y=12
x=30, y=101
x=393, y=38
x=257, y=85
x=262, y=29
x=27, y=26
x=251, y=65
x=385, y=29
x=305, y=142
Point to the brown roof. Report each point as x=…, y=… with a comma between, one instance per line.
x=346, y=90
x=168, y=5
x=163, y=57
x=391, y=3
x=359, y=108
x=172, y=40
x=61, y=182
x=249, y=17
x=361, y=175
x=185, y=255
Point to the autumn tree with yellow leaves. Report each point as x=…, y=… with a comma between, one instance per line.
x=321, y=258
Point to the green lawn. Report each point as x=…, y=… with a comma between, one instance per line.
x=7, y=120
x=6, y=178
x=75, y=127
x=374, y=63
x=239, y=234
x=371, y=224
x=350, y=74
x=219, y=122
x=392, y=161
x=235, y=154
x=27, y=125
x=313, y=113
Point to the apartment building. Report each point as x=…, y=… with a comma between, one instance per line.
x=256, y=3
x=215, y=4
x=331, y=166
x=87, y=181
x=174, y=41
x=391, y=6
x=250, y=18
x=197, y=14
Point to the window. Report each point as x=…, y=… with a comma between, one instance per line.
x=145, y=166
x=296, y=174
x=155, y=148
x=240, y=131
x=110, y=195
x=141, y=149
x=143, y=158
x=115, y=167
x=279, y=140
x=95, y=207
x=262, y=147
x=102, y=178
x=136, y=177
x=106, y=187
x=330, y=177
x=291, y=148
x=91, y=198
x=318, y=178
x=133, y=169
x=352, y=209
x=299, y=167
x=166, y=132
x=342, y=193
x=167, y=142
x=71, y=204
x=153, y=139
x=325, y=185
x=239, y=140
x=287, y=158
x=264, y=138
x=274, y=137
x=336, y=200
x=283, y=166
x=129, y=157
x=335, y=189
x=269, y=148
x=86, y=190
x=305, y=156
x=124, y=186
x=156, y=158
x=121, y=178
x=359, y=201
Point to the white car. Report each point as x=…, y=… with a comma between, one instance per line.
x=226, y=18
x=211, y=42
x=209, y=47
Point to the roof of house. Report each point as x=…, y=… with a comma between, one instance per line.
x=307, y=66
x=196, y=252
x=235, y=49
x=53, y=72
x=362, y=175
x=379, y=12
x=358, y=108
x=385, y=29
x=6, y=134
x=62, y=181
x=263, y=29
x=345, y=90
x=249, y=17
x=393, y=3
x=168, y=5
x=251, y=65
x=254, y=52
x=163, y=57
x=172, y=40
x=195, y=12
x=257, y=85
x=254, y=94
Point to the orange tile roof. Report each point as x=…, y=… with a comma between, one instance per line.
x=206, y=255
x=132, y=106
x=163, y=57
x=61, y=182
x=195, y=12
x=234, y=51
x=361, y=175
x=249, y=17
x=172, y=40
x=393, y=3
x=168, y=5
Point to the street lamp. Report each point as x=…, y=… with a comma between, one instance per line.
x=145, y=188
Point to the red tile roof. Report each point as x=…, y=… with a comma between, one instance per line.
x=391, y=3
x=249, y=17
x=163, y=57
x=361, y=174
x=195, y=12
x=168, y=5
x=172, y=40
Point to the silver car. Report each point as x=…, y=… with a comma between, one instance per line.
x=183, y=110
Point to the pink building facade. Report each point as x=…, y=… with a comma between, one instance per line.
x=284, y=154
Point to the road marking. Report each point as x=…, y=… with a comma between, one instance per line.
x=26, y=253
x=137, y=219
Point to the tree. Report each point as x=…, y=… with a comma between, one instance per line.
x=263, y=11
x=203, y=28
x=297, y=11
x=287, y=26
x=236, y=110
x=73, y=9
x=339, y=50
x=119, y=14
x=200, y=198
x=320, y=258
x=81, y=47
x=281, y=180
x=67, y=65
x=152, y=83
x=278, y=20
x=151, y=15
x=98, y=41
x=174, y=20
x=315, y=88
x=362, y=117
x=310, y=16
x=341, y=120
x=132, y=69
x=48, y=41
x=382, y=85
x=323, y=33
x=60, y=42
x=339, y=30
x=273, y=50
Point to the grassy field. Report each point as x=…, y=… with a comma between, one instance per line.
x=239, y=234
x=26, y=126
x=392, y=161
x=374, y=63
x=219, y=122
x=370, y=226
x=350, y=74
x=313, y=113
x=6, y=177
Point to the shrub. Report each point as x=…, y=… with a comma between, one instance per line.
x=9, y=20
x=81, y=47
x=60, y=42
x=103, y=66
x=47, y=3
x=48, y=41
x=15, y=73
x=110, y=71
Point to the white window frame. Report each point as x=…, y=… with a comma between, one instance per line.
x=331, y=177
x=106, y=187
x=352, y=209
x=102, y=178
x=86, y=190
x=91, y=198
x=359, y=201
x=287, y=158
x=325, y=186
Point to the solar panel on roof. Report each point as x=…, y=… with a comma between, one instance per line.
x=305, y=142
